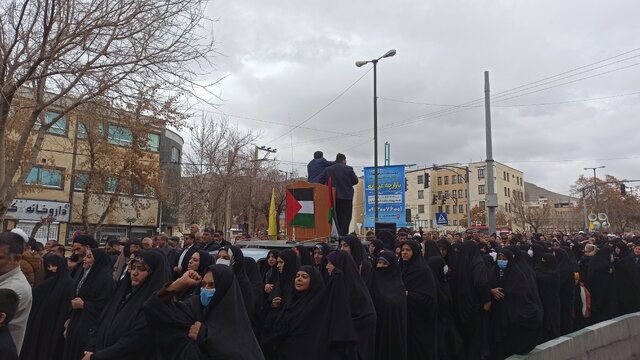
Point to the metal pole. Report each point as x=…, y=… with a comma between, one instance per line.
x=492, y=199
x=595, y=185
x=584, y=211
x=375, y=138
x=468, y=200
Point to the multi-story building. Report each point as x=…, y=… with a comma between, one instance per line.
x=53, y=193
x=508, y=185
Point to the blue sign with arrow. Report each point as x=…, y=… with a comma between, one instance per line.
x=441, y=218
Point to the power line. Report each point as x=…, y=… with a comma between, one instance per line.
x=322, y=108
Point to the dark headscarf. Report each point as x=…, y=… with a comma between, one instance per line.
x=237, y=264
x=270, y=273
x=124, y=317
x=206, y=260
x=431, y=249
x=101, y=264
x=357, y=251
x=470, y=281
x=303, y=253
x=285, y=286
x=49, y=310
x=378, y=246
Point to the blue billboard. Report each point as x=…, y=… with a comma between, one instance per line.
x=391, y=205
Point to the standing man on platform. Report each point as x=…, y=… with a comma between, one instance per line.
x=317, y=166
x=343, y=178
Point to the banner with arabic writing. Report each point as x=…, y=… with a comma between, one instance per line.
x=391, y=200
x=25, y=209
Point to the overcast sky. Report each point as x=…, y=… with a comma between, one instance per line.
x=286, y=59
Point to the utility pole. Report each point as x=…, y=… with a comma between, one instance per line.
x=491, y=197
x=227, y=212
x=595, y=183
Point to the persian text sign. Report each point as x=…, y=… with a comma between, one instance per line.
x=24, y=209
x=391, y=202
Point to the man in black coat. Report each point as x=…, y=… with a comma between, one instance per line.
x=189, y=247
x=317, y=166
x=343, y=178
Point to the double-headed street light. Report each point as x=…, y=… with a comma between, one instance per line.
x=389, y=53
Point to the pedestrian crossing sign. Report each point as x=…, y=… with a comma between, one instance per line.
x=441, y=218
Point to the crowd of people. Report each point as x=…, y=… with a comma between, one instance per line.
x=425, y=296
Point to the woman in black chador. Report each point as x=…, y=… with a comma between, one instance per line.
x=567, y=266
x=93, y=290
x=363, y=314
x=213, y=325
x=123, y=332
x=44, y=339
x=602, y=285
x=449, y=340
x=471, y=299
x=390, y=301
x=549, y=288
x=317, y=322
x=515, y=311
x=422, y=303
x=627, y=280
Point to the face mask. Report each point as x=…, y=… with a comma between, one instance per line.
x=206, y=295
x=224, y=262
x=502, y=264
x=530, y=252
x=446, y=269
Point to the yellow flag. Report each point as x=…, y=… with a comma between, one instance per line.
x=273, y=227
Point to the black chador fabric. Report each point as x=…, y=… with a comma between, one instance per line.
x=237, y=265
x=359, y=256
x=549, y=288
x=602, y=286
x=270, y=273
x=257, y=288
x=304, y=255
x=627, y=281
x=322, y=267
x=470, y=290
x=95, y=290
x=431, y=249
x=317, y=323
x=390, y=301
x=123, y=332
x=449, y=340
x=422, y=305
x=566, y=269
x=206, y=260
x=363, y=314
x=517, y=318
x=51, y=299
x=225, y=332
x=283, y=289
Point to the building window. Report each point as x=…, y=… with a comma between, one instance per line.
x=119, y=135
x=420, y=194
x=460, y=180
x=80, y=181
x=446, y=194
x=446, y=180
x=110, y=185
x=481, y=204
x=460, y=209
x=420, y=209
x=175, y=155
x=59, y=128
x=446, y=209
x=508, y=192
x=480, y=174
x=466, y=193
x=439, y=180
x=481, y=189
x=439, y=194
x=505, y=191
x=81, y=133
x=454, y=179
x=509, y=207
x=455, y=209
x=420, y=179
x=439, y=208
x=455, y=222
x=506, y=206
x=51, y=178
x=459, y=194
x=153, y=142
x=137, y=190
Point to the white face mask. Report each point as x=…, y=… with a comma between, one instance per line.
x=446, y=269
x=224, y=262
x=530, y=252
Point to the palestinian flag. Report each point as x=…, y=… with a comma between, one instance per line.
x=300, y=208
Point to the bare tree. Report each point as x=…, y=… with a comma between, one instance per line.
x=58, y=55
x=535, y=217
x=218, y=161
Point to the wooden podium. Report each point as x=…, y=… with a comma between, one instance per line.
x=321, y=229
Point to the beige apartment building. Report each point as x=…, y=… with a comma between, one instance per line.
x=52, y=195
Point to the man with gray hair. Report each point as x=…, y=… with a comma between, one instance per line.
x=12, y=246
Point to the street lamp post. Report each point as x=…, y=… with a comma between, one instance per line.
x=595, y=182
x=389, y=53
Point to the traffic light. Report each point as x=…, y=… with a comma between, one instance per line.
x=444, y=199
x=623, y=189
x=406, y=184
x=435, y=199
x=426, y=180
